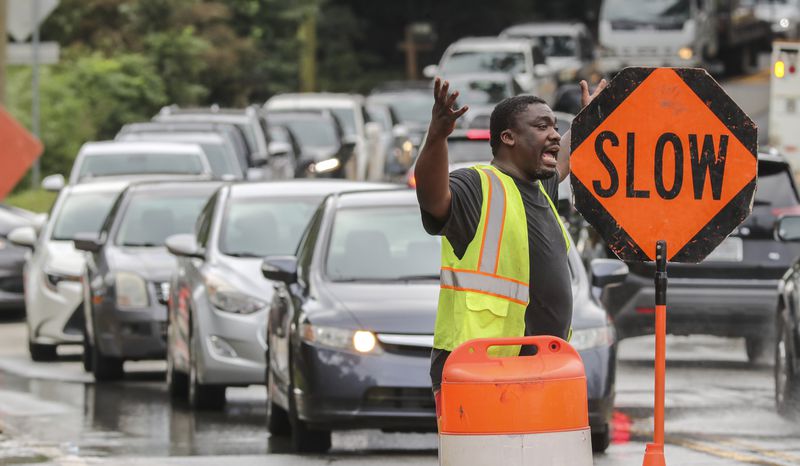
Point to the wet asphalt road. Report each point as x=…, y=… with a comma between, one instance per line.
x=720, y=410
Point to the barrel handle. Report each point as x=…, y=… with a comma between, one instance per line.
x=478, y=350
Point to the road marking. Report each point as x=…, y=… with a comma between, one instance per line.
x=758, y=449
x=720, y=453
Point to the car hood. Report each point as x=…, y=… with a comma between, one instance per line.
x=244, y=273
x=405, y=308
x=64, y=258
x=153, y=264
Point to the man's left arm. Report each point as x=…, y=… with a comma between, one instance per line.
x=564, y=152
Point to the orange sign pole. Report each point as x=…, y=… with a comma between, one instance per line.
x=654, y=452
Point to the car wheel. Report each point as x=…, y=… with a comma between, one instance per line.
x=177, y=382
x=202, y=396
x=601, y=440
x=304, y=438
x=787, y=385
x=42, y=353
x=86, y=357
x=105, y=368
x=277, y=418
x=756, y=349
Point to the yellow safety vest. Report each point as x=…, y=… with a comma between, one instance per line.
x=485, y=293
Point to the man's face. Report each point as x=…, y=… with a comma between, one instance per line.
x=536, y=141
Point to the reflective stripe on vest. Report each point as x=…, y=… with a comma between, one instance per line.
x=485, y=280
x=479, y=282
x=493, y=227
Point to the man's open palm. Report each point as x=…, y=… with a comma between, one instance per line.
x=444, y=116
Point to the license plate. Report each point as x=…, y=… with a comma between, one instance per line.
x=729, y=250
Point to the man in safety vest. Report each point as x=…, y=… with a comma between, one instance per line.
x=504, y=250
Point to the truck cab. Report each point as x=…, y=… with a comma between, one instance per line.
x=678, y=33
x=784, y=105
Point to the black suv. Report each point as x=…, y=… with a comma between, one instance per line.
x=733, y=292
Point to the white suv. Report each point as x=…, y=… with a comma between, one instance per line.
x=521, y=58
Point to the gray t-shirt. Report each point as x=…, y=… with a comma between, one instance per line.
x=550, y=309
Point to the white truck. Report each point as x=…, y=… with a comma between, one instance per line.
x=784, y=102
x=681, y=33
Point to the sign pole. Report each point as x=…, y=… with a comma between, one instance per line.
x=654, y=452
x=36, y=173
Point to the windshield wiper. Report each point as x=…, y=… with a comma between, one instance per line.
x=241, y=254
x=408, y=278
x=141, y=245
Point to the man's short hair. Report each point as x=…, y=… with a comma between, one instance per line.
x=504, y=116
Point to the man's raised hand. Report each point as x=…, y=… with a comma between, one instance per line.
x=443, y=115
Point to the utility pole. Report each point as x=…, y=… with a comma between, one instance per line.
x=3, y=41
x=307, y=35
x=36, y=171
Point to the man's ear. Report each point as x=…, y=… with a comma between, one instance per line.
x=507, y=138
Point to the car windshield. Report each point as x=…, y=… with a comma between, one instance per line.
x=312, y=132
x=473, y=91
x=96, y=165
x=381, y=244
x=412, y=107
x=265, y=226
x=82, y=213
x=637, y=12
x=347, y=118
x=150, y=219
x=558, y=46
x=221, y=160
x=478, y=62
x=467, y=150
x=774, y=186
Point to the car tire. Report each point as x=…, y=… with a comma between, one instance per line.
x=202, y=396
x=278, y=423
x=41, y=352
x=86, y=357
x=177, y=381
x=601, y=440
x=756, y=348
x=105, y=368
x=304, y=438
x=787, y=382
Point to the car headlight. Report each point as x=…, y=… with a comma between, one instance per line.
x=595, y=337
x=225, y=297
x=52, y=279
x=686, y=53
x=325, y=166
x=131, y=291
x=361, y=341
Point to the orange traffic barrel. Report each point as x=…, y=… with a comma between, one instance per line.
x=515, y=411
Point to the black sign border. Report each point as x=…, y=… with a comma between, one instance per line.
x=723, y=107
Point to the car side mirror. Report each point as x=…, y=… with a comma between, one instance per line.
x=39, y=222
x=400, y=132
x=541, y=70
x=279, y=148
x=280, y=269
x=184, y=245
x=54, y=183
x=23, y=236
x=607, y=272
x=430, y=71
x=89, y=242
x=787, y=228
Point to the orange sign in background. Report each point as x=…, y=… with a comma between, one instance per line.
x=18, y=150
x=663, y=154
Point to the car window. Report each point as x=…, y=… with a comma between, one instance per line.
x=139, y=163
x=82, y=213
x=477, y=91
x=774, y=186
x=221, y=160
x=559, y=45
x=480, y=61
x=413, y=107
x=265, y=226
x=347, y=118
x=204, y=221
x=384, y=243
x=313, y=132
x=466, y=150
x=305, y=248
x=150, y=219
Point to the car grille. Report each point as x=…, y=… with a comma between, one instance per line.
x=162, y=291
x=400, y=398
x=11, y=285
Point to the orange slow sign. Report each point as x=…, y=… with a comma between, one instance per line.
x=18, y=150
x=663, y=154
